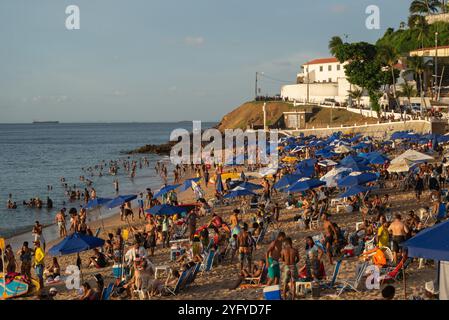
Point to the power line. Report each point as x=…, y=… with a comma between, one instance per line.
x=274, y=79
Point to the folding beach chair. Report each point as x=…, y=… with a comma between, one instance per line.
x=394, y=274
x=107, y=292
x=261, y=236
x=208, y=261
x=192, y=275
x=180, y=284
x=255, y=281
x=334, y=278
x=353, y=284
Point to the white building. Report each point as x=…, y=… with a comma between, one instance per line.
x=322, y=70
x=320, y=80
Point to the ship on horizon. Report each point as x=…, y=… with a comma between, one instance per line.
x=45, y=122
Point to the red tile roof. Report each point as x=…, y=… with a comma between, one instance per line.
x=322, y=61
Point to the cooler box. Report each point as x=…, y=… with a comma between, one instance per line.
x=117, y=270
x=272, y=293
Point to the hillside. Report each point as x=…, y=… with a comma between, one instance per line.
x=251, y=113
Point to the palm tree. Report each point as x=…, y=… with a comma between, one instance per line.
x=389, y=56
x=357, y=95
x=418, y=66
x=419, y=25
x=407, y=90
x=425, y=7
x=334, y=43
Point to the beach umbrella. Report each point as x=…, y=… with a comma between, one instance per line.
x=353, y=159
x=413, y=155
x=116, y=202
x=188, y=184
x=250, y=186
x=355, y=178
x=166, y=189
x=352, y=191
x=327, y=163
x=431, y=243
x=357, y=167
x=305, y=172
x=378, y=159
x=165, y=209
x=267, y=171
x=97, y=202
x=219, y=184
x=334, y=175
x=75, y=243
x=287, y=180
x=362, y=145
x=238, y=192
x=402, y=166
x=305, y=184
x=325, y=154
x=343, y=149
x=306, y=163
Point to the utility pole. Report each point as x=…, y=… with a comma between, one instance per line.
x=436, y=62
x=255, y=90
x=308, y=84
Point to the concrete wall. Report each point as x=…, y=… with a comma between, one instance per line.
x=382, y=130
x=317, y=92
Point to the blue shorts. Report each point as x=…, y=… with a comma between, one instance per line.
x=39, y=269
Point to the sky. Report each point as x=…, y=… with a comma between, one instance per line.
x=164, y=60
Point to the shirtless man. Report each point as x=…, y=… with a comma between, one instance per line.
x=60, y=220
x=330, y=236
x=290, y=257
x=272, y=259
x=235, y=219
x=399, y=230
x=244, y=245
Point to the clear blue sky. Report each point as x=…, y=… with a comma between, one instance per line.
x=164, y=60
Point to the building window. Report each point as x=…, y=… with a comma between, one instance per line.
x=338, y=67
x=321, y=68
x=330, y=79
x=329, y=68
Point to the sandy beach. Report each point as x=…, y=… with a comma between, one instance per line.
x=218, y=283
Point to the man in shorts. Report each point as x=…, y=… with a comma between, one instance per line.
x=399, y=230
x=272, y=259
x=290, y=257
x=244, y=245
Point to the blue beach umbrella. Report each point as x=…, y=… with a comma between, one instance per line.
x=238, y=192
x=379, y=159
x=76, y=243
x=352, y=191
x=357, y=178
x=431, y=243
x=188, y=184
x=305, y=184
x=306, y=163
x=356, y=167
x=249, y=186
x=165, y=209
x=287, y=180
x=97, y=202
x=120, y=200
x=166, y=189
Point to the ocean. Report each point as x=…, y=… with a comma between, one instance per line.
x=35, y=156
